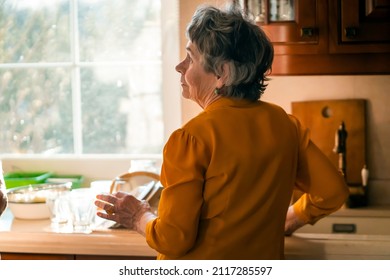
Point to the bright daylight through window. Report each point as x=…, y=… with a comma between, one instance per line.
x=81, y=77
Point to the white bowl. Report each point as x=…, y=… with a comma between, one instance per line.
x=29, y=211
x=29, y=202
x=35, y=193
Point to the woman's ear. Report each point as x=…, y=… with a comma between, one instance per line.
x=223, y=79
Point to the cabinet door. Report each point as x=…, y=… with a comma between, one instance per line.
x=301, y=43
x=328, y=37
x=359, y=26
x=305, y=33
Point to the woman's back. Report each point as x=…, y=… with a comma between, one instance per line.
x=248, y=146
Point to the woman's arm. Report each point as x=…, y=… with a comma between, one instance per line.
x=293, y=222
x=324, y=188
x=175, y=229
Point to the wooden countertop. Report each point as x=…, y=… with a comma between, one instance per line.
x=369, y=211
x=39, y=237
x=371, y=240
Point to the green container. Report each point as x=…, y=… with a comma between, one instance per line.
x=77, y=180
x=18, y=179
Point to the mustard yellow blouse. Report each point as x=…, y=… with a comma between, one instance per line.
x=228, y=176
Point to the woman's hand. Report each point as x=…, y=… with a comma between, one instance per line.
x=292, y=222
x=3, y=201
x=122, y=208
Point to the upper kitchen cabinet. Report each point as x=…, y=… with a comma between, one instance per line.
x=359, y=26
x=315, y=37
x=293, y=26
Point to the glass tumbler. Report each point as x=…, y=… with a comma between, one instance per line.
x=83, y=210
x=58, y=203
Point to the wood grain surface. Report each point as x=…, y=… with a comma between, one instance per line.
x=323, y=117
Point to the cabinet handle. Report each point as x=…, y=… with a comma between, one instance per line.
x=351, y=32
x=344, y=228
x=307, y=31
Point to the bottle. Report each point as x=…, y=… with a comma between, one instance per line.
x=359, y=194
x=365, y=174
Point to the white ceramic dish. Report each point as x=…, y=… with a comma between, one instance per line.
x=35, y=193
x=29, y=202
x=29, y=211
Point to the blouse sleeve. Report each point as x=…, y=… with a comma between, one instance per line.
x=174, y=231
x=323, y=186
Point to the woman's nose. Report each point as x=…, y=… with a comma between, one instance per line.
x=180, y=68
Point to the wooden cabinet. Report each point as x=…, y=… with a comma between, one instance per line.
x=359, y=26
x=28, y=256
x=304, y=34
x=331, y=37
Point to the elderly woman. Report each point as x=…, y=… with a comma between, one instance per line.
x=229, y=173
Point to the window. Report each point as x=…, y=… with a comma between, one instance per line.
x=86, y=76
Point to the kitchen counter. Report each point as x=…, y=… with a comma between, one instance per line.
x=350, y=233
x=320, y=246
x=369, y=211
x=39, y=237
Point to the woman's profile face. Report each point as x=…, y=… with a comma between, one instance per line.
x=197, y=84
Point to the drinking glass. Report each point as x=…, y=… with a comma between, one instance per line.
x=83, y=209
x=58, y=203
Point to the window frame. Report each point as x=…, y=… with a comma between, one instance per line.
x=171, y=101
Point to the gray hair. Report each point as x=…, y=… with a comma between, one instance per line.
x=229, y=36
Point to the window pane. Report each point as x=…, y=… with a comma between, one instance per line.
x=34, y=31
x=120, y=30
x=35, y=111
x=81, y=76
x=122, y=109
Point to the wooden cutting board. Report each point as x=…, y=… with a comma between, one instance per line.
x=324, y=117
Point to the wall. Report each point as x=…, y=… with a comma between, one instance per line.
x=283, y=90
x=375, y=89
